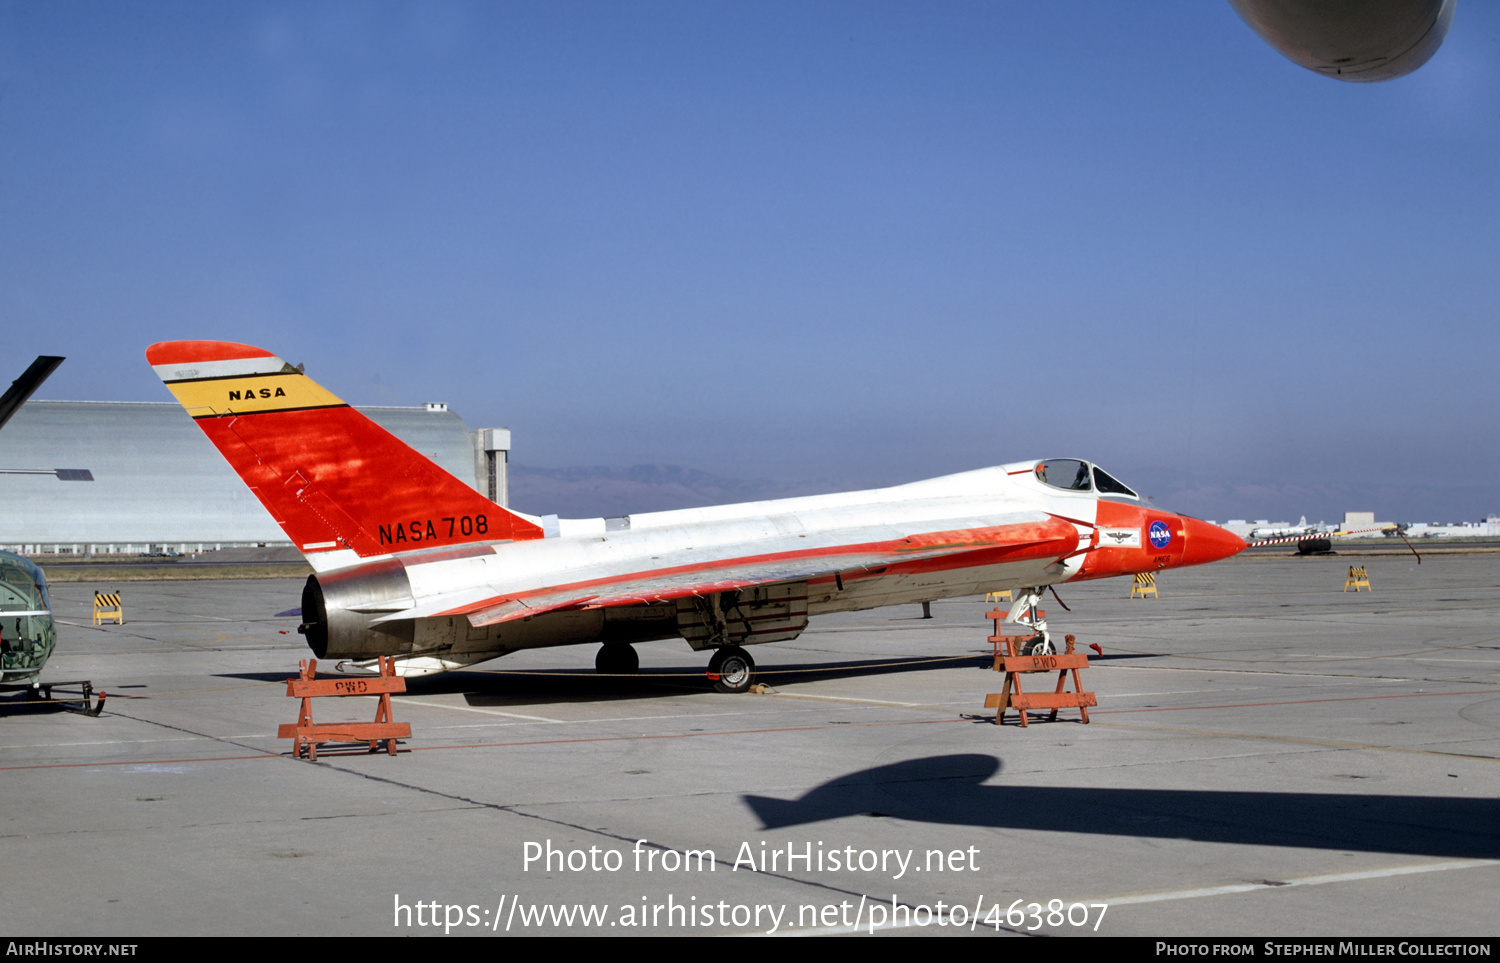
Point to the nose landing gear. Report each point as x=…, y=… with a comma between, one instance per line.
x=1024, y=611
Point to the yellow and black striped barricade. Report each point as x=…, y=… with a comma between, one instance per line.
x=107, y=606
x=1358, y=579
x=1011, y=696
x=1145, y=584
x=999, y=595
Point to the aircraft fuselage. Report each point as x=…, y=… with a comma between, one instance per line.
x=1014, y=529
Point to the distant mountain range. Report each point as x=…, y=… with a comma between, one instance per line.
x=601, y=491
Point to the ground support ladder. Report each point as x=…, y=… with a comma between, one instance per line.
x=307, y=687
x=1014, y=665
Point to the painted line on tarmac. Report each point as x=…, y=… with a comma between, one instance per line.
x=1309, y=742
x=142, y=762
x=98, y=742
x=1299, y=702
x=591, y=721
x=1303, y=881
x=857, y=701
x=492, y=745
x=685, y=735
x=488, y=712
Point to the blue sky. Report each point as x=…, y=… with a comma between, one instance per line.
x=851, y=244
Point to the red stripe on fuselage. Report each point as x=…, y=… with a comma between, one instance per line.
x=987, y=546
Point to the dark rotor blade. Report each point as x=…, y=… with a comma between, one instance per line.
x=22, y=387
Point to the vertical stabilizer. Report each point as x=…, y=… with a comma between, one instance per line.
x=331, y=478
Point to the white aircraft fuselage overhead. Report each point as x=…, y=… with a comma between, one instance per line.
x=410, y=562
x=1354, y=40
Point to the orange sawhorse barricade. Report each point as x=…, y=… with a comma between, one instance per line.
x=307, y=687
x=1008, y=659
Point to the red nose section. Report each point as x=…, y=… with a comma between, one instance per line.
x=1208, y=543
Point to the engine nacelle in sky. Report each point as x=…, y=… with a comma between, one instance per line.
x=1355, y=40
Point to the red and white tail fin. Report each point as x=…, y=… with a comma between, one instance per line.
x=334, y=481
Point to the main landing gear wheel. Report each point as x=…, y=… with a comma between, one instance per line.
x=617, y=658
x=731, y=669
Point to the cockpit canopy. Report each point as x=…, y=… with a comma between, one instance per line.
x=1072, y=474
x=27, y=635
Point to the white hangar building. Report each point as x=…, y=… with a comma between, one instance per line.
x=158, y=484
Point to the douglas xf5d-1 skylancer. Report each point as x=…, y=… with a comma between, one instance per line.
x=411, y=562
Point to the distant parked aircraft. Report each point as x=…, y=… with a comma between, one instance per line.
x=1282, y=531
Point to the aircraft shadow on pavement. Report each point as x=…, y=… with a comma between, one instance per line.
x=23, y=703
x=539, y=686
x=947, y=789
x=501, y=687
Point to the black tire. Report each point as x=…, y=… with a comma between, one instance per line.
x=617, y=658
x=734, y=668
x=1036, y=646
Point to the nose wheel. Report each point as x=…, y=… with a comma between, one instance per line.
x=731, y=669
x=1025, y=611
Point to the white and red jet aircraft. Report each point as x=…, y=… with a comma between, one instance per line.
x=411, y=562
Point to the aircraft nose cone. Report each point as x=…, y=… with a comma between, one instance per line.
x=1208, y=543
